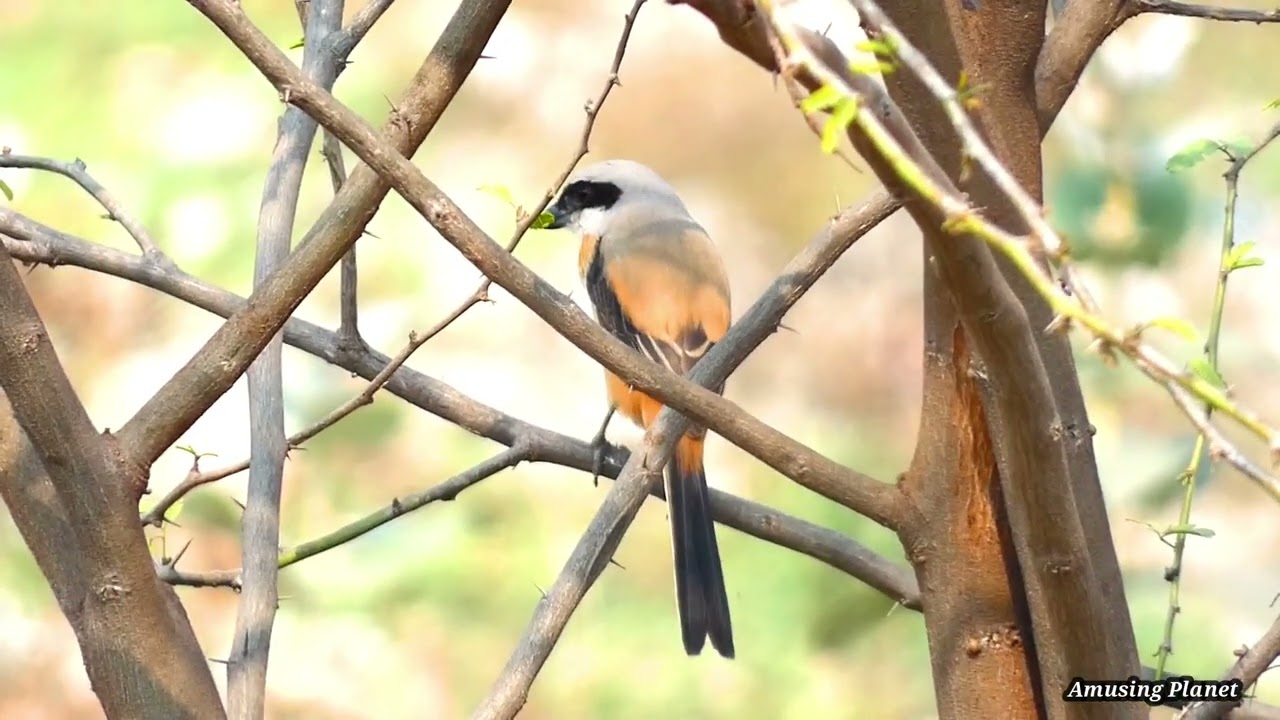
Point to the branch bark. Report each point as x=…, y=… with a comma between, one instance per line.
x=139, y=650
x=260, y=528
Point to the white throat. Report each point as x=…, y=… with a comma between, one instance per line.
x=591, y=221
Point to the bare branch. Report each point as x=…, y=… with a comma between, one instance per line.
x=360, y=26
x=77, y=171
x=445, y=491
x=216, y=366
x=194, y=479
x=643, y=472
x=1247, y=669
x=1207, y=12
x=140, y=653
x=349, y=296
x=260, y=534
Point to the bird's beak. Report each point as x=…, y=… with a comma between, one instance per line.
x=559, y=218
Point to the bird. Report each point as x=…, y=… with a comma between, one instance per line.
x=657, y=283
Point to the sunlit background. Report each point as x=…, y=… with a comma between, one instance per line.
x=416, y=619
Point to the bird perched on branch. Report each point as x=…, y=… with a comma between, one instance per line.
x=657, y=283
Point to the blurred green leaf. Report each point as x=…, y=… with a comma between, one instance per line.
x=1239, y=259
x=872, y=67
x=6, y=191
x=1192, y=155
x=1177, y=326
x=1188, y=530
x=502, y=192
x=544, y=220
x=820, y=99
x=1203, y=370
x=1273, y=105
x=846, y=110
x=876, y=46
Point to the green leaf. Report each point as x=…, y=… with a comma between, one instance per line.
x=876, y=47
x=820, y=99
x=1188, y=530
x=300, y=43
x=1177, y=326
x=846, y=110
x=6, y=191
x=544, y=219
x=1203, y=370
x=872, y=67
x=1273, y=105
x=1238, y=258
x=175, y=510
x=501, y=192
x=1238, y=251
x=1192, y=155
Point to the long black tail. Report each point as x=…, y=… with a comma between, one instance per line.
x=701, y=599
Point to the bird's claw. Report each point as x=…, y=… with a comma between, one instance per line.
x=600, y=446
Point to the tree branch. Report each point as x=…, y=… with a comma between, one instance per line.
x=216, y=366
x=1207, y=12
x=1252, y=663
x=260, y=528
x=140, y=653
x=77, y=172
x=444, y=491
x=360, y=26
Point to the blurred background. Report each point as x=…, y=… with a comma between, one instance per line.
x=417, y=618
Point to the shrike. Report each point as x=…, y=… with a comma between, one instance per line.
x=657, y=283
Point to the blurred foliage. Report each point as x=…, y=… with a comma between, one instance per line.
x=1119, y=217
x=417, y=618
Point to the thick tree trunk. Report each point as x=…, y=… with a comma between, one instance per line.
x=990, y=633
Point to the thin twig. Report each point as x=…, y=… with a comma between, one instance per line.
x=349, y=297
x=1247, y=669
x=77, y=172
x=1207, y=12
x=1190, y=476
x=360, y=26
x=398, y=507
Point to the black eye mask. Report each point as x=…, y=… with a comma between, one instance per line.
x=583, y=195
